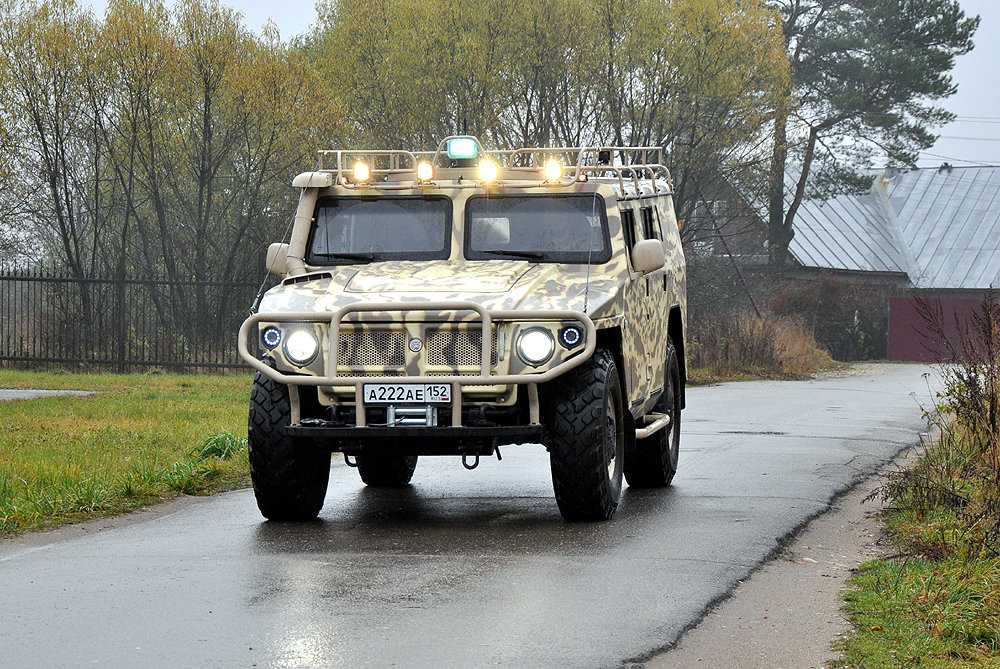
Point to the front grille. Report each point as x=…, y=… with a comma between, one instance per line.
x=372, y=348
x=457, y=347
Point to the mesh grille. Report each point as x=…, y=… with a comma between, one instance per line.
x=457, y=347
x=372, y=348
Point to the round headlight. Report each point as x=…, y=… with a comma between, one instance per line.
x=535, y=346
x=271, y=336
x=301, y=347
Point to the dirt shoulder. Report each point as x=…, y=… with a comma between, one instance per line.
x=789, y=612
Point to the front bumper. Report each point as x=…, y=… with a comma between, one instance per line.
x=448, y=440
x=395, y=311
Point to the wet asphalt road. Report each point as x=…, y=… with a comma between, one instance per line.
x=463, y=569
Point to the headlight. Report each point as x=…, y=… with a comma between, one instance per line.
x=301, y=347
x=535, y=346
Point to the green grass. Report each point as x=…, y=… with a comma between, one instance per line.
x=924, y=613
x=937, y=606
x=143, y=438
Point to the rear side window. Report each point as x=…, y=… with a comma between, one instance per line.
x=650, y=225
x=628, y=228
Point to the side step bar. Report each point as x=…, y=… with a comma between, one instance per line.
x=655, y=423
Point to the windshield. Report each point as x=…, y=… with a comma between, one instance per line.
x=352, y=230
x=561, y=228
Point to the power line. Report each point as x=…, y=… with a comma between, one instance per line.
x=960, y=160
x=976, y=122
x=972, y=139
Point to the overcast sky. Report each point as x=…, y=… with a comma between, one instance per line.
x=977, y=102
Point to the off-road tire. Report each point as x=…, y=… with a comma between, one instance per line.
x=386, y=470
x=289, y=476
x=582, y=438
x=652, y=462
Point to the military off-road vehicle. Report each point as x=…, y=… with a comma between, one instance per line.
x=454, y=301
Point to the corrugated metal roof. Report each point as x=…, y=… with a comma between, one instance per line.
x=852, y=232
x=940, y=226
x=950, y=219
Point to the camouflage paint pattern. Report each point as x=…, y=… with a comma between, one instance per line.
x=613, y=294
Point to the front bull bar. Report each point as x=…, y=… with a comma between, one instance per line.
x=485, y=378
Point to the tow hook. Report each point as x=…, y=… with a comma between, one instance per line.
x=349, y=461
x=465, y=462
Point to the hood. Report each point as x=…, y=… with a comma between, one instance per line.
x=437, y=276
x=500, y=285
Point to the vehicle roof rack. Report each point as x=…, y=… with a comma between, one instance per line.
x=635, y=170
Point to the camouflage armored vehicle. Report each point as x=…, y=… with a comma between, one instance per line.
x=456, y=301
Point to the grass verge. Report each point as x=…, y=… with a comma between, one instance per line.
x=937, y=604
x=143, y=438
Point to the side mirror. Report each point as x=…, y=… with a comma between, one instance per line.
x=648, y=256
x=277, y=259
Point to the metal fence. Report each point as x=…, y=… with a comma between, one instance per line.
x=48, y=317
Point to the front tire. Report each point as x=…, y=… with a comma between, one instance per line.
x=289, y=477
x=652, y=462
x=585, y=433
x=386, y=470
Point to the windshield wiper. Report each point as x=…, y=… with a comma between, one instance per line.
x=347, y=256
x=531, y=255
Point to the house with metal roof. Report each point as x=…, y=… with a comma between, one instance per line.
x=936, y=231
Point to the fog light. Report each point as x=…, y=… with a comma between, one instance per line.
x=301, y=347
x=271, y=337
x=570, y=337
x=535, y=346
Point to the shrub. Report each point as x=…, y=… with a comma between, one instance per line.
x=949, y=502
x=744, y=344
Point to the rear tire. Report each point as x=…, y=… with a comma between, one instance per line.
x=652, y=462
x=386, y=470
x=289, y=476
x=585, y=434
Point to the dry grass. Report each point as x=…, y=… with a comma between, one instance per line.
x=745, y=346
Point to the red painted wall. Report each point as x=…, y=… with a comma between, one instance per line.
x=909, y=336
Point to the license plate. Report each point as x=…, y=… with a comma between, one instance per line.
x=407, y=393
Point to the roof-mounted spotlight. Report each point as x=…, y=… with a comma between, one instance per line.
x=425, y=171
x=362, y=173
x=488, y=171
x=462, y=148
x=552, y=170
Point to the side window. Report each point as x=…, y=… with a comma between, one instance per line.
x=628, y=228
x=657, y=227
x=648, y=223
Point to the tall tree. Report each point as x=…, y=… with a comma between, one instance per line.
x=867, y=77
